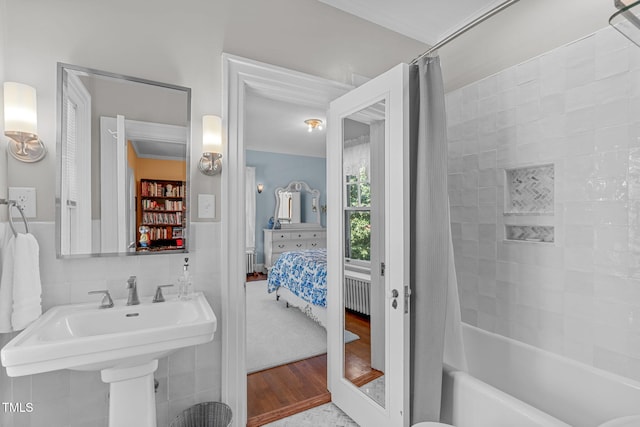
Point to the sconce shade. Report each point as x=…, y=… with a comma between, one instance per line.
x=211, y=134
x=211, y=160
x=20, y=109
x=260, y=187
x=21, y=123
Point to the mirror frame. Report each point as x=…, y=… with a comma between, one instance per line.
x=61, y=68
x=298, y=186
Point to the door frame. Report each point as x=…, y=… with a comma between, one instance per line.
x=239, y=75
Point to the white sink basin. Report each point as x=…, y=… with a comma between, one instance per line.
x=84, y=337
x=123, y=342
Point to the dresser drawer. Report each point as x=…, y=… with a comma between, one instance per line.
x=279, y=236
x=287, y=245
x=316, y=244
x=311, y=235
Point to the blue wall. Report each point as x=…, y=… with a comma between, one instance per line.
x=277, y=170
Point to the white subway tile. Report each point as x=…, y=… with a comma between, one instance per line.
x=608, y=39
x=579, y=51
x=579, y=144
x=487, y=160
x=470, y=93
x=528, y=112
x=580, y=97
x=579, y=282
x=580, y=306
x=581, y=120
x=553, y=105
x=579, y=236
x=506, y=79
x=612, y=138
x=470, y=162
x=487, y=87
x=487, y=249
x=613, y=113
x=528, y=71
x=528, y=92
x=612, y=88
x=611, y=62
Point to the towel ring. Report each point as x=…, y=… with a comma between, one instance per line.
x=12, y=203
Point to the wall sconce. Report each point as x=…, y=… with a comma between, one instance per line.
x=21, y=122
x=260, y=187
x=211, y=160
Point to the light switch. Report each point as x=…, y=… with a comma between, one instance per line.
x=206, y=205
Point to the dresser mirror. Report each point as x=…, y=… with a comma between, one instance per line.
x=122, y=164
x=297, y=205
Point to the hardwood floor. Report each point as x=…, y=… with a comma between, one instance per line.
x=285, y=390
x=357, y=354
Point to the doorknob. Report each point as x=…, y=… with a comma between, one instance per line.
x=394, y=296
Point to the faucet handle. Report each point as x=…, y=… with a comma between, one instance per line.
x=131, y=281
x=159, y=297
x=107, y=302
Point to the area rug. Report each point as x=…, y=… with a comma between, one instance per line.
x=277, y=335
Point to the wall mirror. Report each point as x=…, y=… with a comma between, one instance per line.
x=123, y=147
x=363, y=201
x=297, y=205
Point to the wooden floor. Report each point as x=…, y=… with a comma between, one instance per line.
x=285, y=390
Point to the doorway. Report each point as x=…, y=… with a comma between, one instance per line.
x=241, y=77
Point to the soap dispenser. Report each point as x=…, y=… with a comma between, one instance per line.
x=184, y=282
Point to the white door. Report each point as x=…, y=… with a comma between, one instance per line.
x=367, y=223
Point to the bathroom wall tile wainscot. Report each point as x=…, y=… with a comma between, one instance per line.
x=80, y=399
x=578, y=108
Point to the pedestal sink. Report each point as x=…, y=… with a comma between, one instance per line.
x=123, y=342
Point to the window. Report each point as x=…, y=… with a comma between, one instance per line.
x=358, y=216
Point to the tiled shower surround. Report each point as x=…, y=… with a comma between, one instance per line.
x=79, y=399
x=576, y=107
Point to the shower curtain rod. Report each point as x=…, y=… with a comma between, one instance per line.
x=465, y=28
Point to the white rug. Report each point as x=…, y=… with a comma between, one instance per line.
x=277, y=335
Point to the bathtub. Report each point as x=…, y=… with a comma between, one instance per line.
x=510, y=383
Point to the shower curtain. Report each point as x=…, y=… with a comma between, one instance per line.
x=434, y=300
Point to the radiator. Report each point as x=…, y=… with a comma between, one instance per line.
x=250, y=262
x=357, y=293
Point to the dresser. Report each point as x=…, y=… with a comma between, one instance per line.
x=291, y=239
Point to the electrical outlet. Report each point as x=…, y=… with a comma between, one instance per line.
x=25, y=197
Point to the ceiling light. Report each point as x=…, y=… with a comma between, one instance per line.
x=313, y=124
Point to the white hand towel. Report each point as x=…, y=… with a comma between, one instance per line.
x=27, y=289
x=7, y=248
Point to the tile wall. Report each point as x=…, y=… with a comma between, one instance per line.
x=79, y=399
x=577, y=107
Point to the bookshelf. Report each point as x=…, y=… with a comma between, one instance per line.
x=162, y=208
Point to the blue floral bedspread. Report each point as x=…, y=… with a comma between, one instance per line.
x=302, y=272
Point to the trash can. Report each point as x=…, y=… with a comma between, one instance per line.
x=206, y=414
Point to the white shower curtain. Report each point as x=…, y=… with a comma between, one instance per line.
x=250, y=208
x=434, y=300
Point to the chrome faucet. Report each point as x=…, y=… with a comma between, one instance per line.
x=107, y=302
x=133, y=291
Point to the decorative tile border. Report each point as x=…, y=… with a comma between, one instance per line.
x=529, y=190
x=530, y=233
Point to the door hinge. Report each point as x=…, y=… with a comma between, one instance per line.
x=407, y=296
x=382, y=267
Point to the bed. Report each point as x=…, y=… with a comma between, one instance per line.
x=300, y=278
